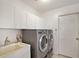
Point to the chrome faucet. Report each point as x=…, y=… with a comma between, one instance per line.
x=6, y=41
x=19, y=38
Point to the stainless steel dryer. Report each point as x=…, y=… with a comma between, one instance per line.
x=38, y=40
x=50, y=37
x=50, y=44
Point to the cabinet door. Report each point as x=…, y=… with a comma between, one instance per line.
x=34, y=22
x=6, y=14
x=26, y=20
x=31, y=21
x=39, y=23
x=20, y=18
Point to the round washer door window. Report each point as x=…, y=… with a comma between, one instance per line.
x=43, y=43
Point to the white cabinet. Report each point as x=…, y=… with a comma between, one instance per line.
x=34, y=22
x=39, y=23
x=27, y=20
x=6, y=14
x=12, y=16
x=31, y=21
x=20, y=19
x=24, y=20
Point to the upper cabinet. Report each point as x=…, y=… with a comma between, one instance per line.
x=20, y=18
x=17, y=17
x=31, y=21
x=6, y=14
x=27, y=20
x=39, y=22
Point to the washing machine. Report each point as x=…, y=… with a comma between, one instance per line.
x=38, y=39
x=50, y=44
x=50, y=39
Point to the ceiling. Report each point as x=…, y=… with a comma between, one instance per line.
x=41, y=6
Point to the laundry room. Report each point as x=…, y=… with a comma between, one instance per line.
x=39, y=28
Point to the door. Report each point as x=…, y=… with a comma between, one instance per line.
x=43, y=43
x=69, y=35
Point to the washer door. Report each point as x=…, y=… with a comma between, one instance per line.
x=43, y=43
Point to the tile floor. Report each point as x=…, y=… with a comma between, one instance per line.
x=59, y=56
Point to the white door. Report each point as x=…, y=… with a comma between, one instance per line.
x=68, y=35
x=43, y=43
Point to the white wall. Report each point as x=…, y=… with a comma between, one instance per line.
x=10, y=33
x=51, y=20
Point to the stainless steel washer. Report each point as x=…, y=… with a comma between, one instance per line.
x=38, y=40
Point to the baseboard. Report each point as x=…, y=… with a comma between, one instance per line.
x=65, y=56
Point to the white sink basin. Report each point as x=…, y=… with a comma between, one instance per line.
x=15, y=50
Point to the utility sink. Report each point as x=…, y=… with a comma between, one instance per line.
x=15, y=50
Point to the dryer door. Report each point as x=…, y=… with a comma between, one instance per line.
x=43, y=43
